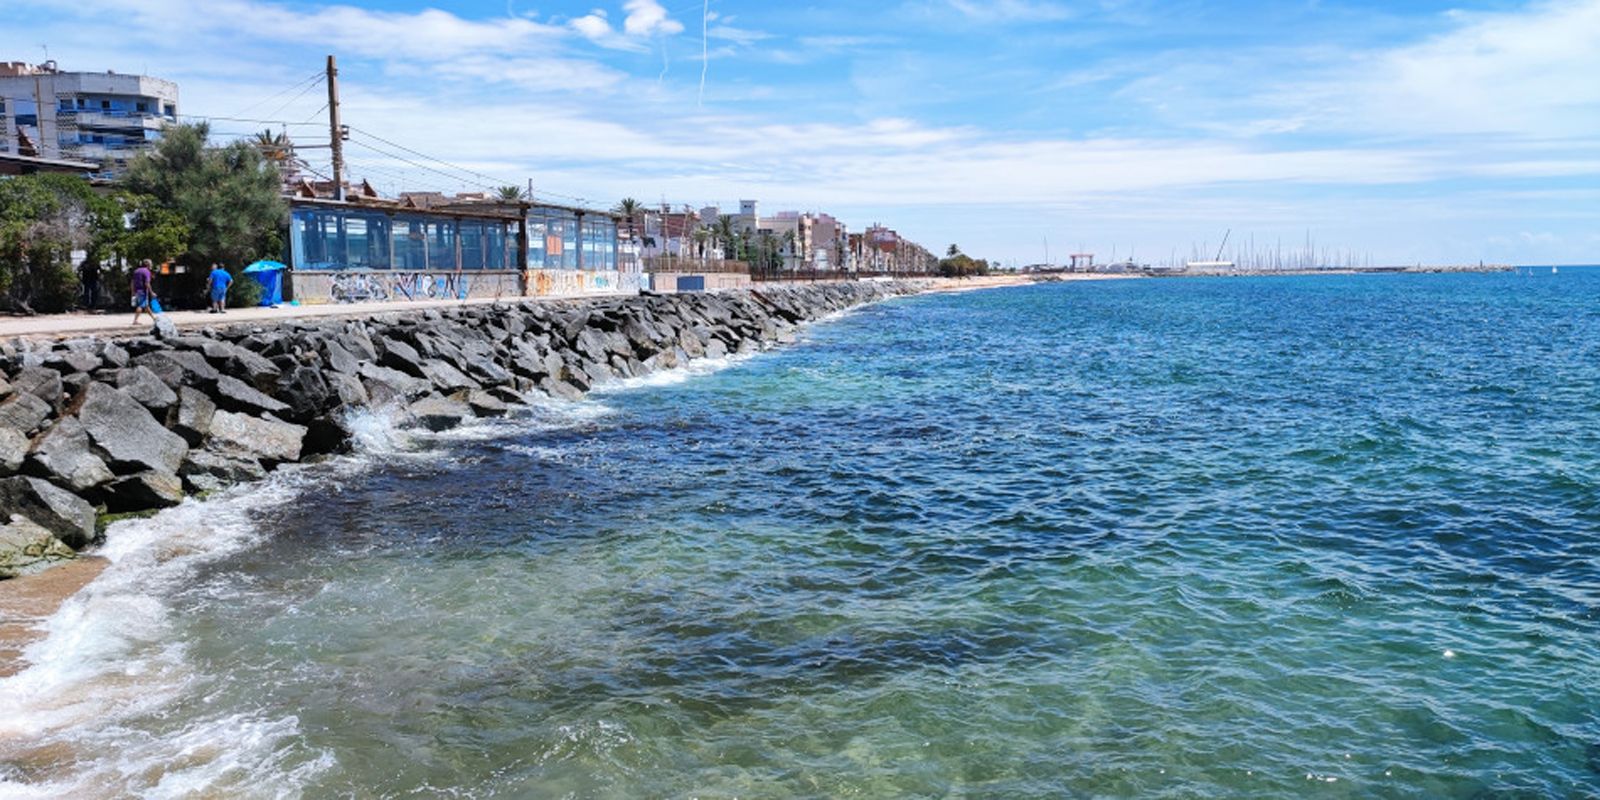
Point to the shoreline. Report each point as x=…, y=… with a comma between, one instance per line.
x=471, y=365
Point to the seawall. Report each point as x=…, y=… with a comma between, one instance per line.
x=96, y=426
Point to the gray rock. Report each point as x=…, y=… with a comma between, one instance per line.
x=144, y=386
x=13, y=449
x=63, y=456
x=438, y=413
x=42, y=383
x=144, y=491
x=236, y=395
x=253, y=368
x=306, y=393
x=339, y=358
x=267, y=439
x=486, y=405
x=192, y=419
x=347, y=389
x=179, y=367
x=5, y=387
x=114, y=356
x=27, y=547
x=446, y=377
x=716, y=349
x=205, y=470
x=23, y=412
x=386, y=386
x=403, y=357
x=163, y=328
x=70, y=361
x=126, y=435
x=57, y=510
x=560, y=388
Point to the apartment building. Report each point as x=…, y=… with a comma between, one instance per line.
x=101, y=117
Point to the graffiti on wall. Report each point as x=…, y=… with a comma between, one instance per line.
x=387, y=286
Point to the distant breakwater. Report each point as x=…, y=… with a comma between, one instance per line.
x=96, y=426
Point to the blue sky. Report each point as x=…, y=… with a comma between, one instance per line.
x=1408, y=131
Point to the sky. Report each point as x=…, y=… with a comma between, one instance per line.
x=1399, y=132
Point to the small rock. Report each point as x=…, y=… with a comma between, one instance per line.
x=163, y=328
x=42, y=383
x=23, y=412
x=13, y=449
x=486, y=405
x=236, y=395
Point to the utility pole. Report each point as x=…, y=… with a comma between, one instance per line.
x=335, y=130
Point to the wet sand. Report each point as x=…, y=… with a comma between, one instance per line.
x=31, y=599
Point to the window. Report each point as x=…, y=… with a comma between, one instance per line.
x=105, y=105
x=170, y=110
x=142, y=107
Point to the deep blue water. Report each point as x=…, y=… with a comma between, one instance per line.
x=1332, y=536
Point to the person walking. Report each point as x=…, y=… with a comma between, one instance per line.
x=143, y=290
x=217, y=283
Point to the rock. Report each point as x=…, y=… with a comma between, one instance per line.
x=67, y=362
x=57, y=510
x=328, y=434
x=507, y=395
x=438, y=413
x=267, y=439
x=347, y=389
x=253, y=368
x=486, y=405
x=236, y=395
x=114, y=356
x=23, y=412
x=403, y=357
x=205, y=471
x=42, y=383
x=163, y=328
x=27, y=547
x=339, y=358
x=144, y=386
x=126, y=435
x=144, y=491
x=13, y=449
x=716, y=349
x=560, y=388
x=447, y=378
x=192, y=418
x=5, y=387
x=386, y=386
x=306, y=393
x=179, y=367
x=63, y=456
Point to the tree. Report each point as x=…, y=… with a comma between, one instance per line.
x=952, y=251
x=629, y=209
x=725, y=232
x=510, y=194
x=227, y=196
x=44, y=219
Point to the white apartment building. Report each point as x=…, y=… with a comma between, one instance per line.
x=99, y=117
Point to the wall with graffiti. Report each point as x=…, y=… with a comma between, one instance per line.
x=321, y=288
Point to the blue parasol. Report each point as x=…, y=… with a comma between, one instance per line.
x=265, y=266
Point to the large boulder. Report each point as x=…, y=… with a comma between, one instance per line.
x=236, y=395
x=66, y=362
x=254, y=368
x=27, y=547
x=179, y=367
x=306, y=393
x=144, y=491
x=144, y=386
x=266, y=439
x=67, y=516
x=23, y=412
x=63, y=456
x=403, y=357
x=387, y=386
x=126, y=435
x=192, y=418
x=447, y=378
x=205, y=470
x=438, y=413
x=42, y=383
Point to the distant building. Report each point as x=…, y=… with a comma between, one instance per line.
x=102, y=117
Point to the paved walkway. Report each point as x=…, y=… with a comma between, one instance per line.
x=60, y=326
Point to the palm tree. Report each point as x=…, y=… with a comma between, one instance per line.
x=509, y=194
x=629, y=209
x=701, y=236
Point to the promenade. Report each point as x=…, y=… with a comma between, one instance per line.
x=59, y=326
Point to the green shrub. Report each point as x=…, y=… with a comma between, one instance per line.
x=244, y=292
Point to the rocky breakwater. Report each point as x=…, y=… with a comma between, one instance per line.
x=94, y=426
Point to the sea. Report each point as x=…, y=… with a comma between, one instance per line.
x=1330, y=536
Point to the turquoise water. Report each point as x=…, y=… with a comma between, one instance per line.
x=1330, y=537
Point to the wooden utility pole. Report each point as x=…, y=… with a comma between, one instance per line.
x=335, y=130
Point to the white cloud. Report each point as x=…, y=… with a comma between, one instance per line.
x=648, y=18
x=645, y=19
x=1013, y=10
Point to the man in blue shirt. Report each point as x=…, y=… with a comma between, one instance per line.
x=218, y=283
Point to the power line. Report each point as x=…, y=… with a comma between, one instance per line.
x=314, y=76
x=497, y=181
x=302, y=93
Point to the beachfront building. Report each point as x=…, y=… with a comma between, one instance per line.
x=422, y=248
x=105, y=118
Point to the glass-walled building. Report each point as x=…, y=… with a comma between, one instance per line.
x=327, y=236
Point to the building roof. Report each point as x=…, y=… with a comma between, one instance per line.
x=12, y=164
